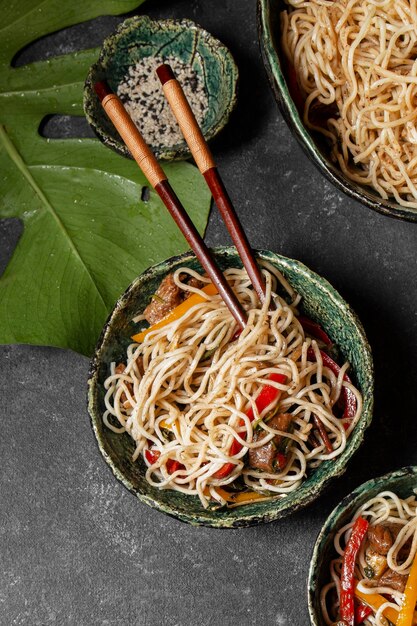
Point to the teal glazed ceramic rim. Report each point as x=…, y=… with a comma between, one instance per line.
x=183, y=38
x=268, y=28
x=402, y=481
x=320, y=301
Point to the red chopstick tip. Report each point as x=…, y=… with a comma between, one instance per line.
x=165, y=73
x=102, y=89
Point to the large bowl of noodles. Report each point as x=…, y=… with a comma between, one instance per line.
x=318, y=300
x=382, y=500
x=368, y=149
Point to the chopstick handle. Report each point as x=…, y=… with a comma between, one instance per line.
x=126, y=128
x=207, y=166
x=147, y=162
x=185, y=118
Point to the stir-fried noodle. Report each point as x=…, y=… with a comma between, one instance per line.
x=400, y=518
x=356, y=66
x=186, y=390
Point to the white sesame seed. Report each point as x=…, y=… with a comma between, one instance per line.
x=142, y=95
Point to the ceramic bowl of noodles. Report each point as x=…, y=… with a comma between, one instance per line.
x=344, y=80
x=369, y=541
x=128, y=59
x=222, y=426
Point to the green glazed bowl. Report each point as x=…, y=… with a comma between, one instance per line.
x=402, y=482
x=139, y=37
x=319, y=301
x=314, y=145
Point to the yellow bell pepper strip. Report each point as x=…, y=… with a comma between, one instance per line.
x=375, y=601
x=405, y=616
x=347, y=580
x=168, y=426
x=177, y=312
x=242, y=497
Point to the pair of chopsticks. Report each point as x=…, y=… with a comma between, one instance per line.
x=206, y=164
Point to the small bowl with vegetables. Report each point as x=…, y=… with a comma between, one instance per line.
x=222, y=426
x=128, y=59
x=364, y=566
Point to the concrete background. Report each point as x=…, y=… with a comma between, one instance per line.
x=76, y=548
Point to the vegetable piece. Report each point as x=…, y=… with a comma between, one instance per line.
x=314, y=329
x=349, y=398
x=152, y=456
x=362, y=611
x=347, y=590
x=178, y=312
x=406, y=614
x=172, y=466
x=375, y=601
x=265, y=398
x=241, y=497
x=323, y=433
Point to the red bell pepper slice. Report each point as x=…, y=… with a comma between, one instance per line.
x=172, y=466
x=347, y=580
x=349, y=398
x=265, y=398
x=314, y=329
x=152, y=456
x=362, y=611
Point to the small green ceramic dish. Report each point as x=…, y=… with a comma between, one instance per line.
x=139, y=37
x=402, y=482
x=317, y=150
x=320, y=302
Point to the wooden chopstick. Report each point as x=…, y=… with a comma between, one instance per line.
x=152, y=170
x=207, y=166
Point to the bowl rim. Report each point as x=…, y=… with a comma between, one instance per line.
x=280, y=507
x=181, y=151
x=346, y=506
x=272, y=63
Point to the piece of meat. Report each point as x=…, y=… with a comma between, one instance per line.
x=394, y=580
x=405, y=549
x=167, y=297
x=193, y=282
x=380, y=538
x=263, y=458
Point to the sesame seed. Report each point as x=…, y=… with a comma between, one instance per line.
x=142, y=95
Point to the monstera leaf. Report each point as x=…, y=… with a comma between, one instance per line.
x=87, y=233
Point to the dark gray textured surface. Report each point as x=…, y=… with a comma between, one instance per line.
x=76, y=548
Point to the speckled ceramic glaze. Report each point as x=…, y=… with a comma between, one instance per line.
x=140, y=37
x=315, y=146
x=402, y=482
x=319, y=301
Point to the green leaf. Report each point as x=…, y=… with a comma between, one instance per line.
x=87, y=233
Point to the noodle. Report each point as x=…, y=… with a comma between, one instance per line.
x=199, y=380
x=391, y=511
x=356, y=60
